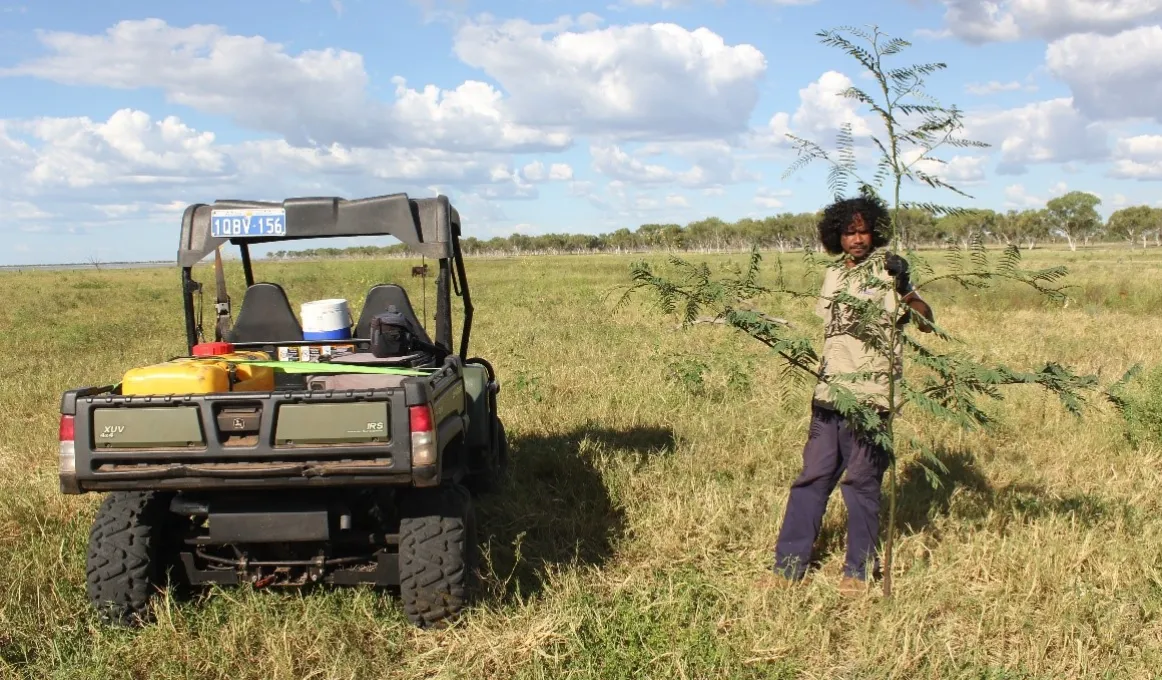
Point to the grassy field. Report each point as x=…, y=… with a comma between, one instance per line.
x=643, y=506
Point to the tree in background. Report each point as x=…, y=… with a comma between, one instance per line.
x=1135, y=222
x=1033, y=226
x=1075, y=216
x=784, y=232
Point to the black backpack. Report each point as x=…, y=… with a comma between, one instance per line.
x=393, y=335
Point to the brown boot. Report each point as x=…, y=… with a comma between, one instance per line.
x=772, y=580
x=850, y=586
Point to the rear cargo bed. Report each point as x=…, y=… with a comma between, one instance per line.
x=347, y=432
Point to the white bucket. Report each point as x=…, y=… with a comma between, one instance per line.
x=326, y=320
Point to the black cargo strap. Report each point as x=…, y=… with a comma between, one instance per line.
x=222, y=306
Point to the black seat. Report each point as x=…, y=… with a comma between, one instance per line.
x=266, y=316
x=377, y=301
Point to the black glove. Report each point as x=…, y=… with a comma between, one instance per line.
x=897, y=267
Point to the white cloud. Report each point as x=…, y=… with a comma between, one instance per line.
x=980, y=21
x=1042, y=132
x=1138, y=158
x=1018, y=198
x=479, y=214
x=275, y=160
x=1112, y=77
x=247, y=78
x=822, y=111
x=769, y=198
x=710, y=164
x=664, y=4
x=627, y=201
x=315, y=97
x=129, y=148
x=656, y=81
x=959, y=171
x=614, y=162
x=469, y=118
x=713, y=161
x=22, y=210
x=671, y=4
x=560, y=171
x=535, y=172
x=995, y=86
x=132, y=169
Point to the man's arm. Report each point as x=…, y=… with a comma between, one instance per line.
x=917, y=304
x=897, y=267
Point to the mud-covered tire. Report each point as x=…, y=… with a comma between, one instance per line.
x=128, y=560
x=437, y=555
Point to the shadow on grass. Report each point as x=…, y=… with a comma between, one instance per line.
x=918, y=503
x=554, y=509
x=980, y=501
x=966, y=495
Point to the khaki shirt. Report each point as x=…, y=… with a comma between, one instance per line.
x=845, y=346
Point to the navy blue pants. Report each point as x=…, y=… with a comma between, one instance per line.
x=832, y=449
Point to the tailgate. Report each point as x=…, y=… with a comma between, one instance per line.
x=295, y=437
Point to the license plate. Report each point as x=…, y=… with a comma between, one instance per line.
x=247, y=222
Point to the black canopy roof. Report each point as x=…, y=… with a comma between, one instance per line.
x=424, y=225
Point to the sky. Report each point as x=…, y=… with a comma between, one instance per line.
x=544, y=115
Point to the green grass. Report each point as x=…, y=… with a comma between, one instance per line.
x=650, y=469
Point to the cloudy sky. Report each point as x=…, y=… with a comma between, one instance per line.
x=535, y=116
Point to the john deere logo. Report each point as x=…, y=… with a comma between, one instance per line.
x=238, y=424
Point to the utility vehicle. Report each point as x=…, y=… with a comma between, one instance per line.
x=349, y=467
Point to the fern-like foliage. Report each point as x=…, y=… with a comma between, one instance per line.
x=948, y=386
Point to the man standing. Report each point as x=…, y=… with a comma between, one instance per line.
x=854, y=228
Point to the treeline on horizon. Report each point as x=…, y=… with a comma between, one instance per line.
x=1071, y=218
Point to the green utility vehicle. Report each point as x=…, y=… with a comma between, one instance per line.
x=357, y=464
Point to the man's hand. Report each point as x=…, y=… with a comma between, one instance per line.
x=897, y=267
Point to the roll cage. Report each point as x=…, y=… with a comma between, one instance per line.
x=425, y=226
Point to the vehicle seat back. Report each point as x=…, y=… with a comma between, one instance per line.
x=266, y=316
x=377, y=301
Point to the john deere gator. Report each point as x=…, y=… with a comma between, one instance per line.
x=278, y=456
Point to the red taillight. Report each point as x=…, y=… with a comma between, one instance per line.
x=420, y=418
x=67, y=431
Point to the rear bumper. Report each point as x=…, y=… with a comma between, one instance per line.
x=186, y=477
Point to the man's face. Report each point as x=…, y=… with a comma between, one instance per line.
x=856, y=240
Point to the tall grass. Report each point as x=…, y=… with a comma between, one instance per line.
x=650, y=468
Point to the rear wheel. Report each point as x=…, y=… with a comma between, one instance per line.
x=130, y=555
x=437, y=555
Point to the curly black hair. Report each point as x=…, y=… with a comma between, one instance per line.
x=837, y=217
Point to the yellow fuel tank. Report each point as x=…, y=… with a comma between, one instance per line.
x=201, y=375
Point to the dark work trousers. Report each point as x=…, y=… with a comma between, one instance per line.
x=832, y=448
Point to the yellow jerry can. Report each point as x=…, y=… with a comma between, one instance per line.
x=201, y=375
